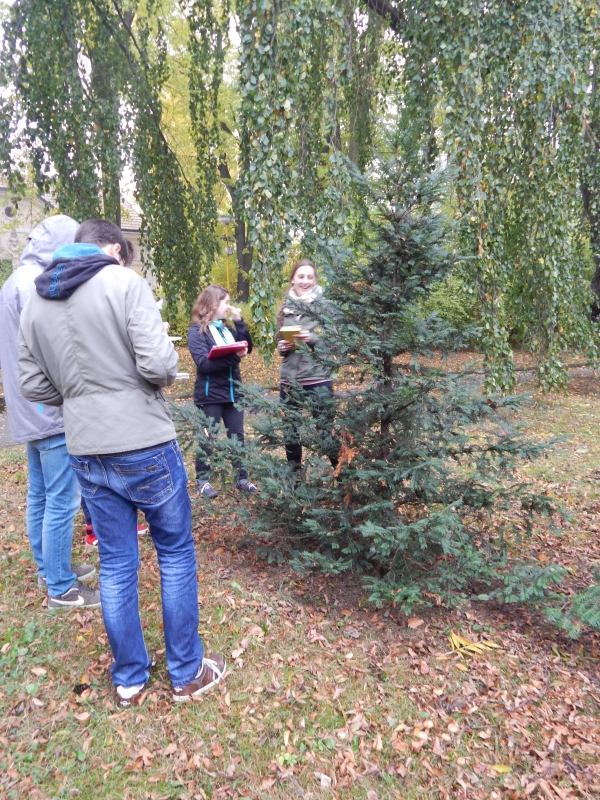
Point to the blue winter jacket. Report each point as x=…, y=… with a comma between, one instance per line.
x=218, y=379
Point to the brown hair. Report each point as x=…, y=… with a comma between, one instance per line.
x=304, y=262
x=129, y=255
x=206, y=305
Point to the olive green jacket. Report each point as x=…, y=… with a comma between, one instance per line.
x=295, y=365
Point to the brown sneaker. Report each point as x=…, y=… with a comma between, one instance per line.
x=130, y=696
x=209, y=675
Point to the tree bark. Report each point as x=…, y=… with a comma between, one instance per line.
x=242, y=249
x=390, y=13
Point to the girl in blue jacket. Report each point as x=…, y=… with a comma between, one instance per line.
x=217, y=383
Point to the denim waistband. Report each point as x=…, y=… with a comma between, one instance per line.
x=153, y=447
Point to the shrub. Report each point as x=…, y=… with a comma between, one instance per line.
x=451, y=300
x=417, y=502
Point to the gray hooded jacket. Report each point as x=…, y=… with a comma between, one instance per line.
x=103, y=354
x=28, y=421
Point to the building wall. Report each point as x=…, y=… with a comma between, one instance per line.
x=16, y=223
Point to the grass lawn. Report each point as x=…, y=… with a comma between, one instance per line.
x=325, y=697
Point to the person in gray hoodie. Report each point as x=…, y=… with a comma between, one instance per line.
x=53, y=495
x=91, y=338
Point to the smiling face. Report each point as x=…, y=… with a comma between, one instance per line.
x=303, y=279
x=222, y=309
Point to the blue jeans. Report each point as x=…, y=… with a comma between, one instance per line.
x=52, y=501
x=114, y=487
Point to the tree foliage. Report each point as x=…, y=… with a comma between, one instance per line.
x=505, y=90
x=86, y=80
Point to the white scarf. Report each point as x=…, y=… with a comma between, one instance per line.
x=308, y=297
x=221, y=336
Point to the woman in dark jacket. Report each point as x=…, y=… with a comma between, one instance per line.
x=217, y=383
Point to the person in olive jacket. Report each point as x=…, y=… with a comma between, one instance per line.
x=218, y=380
x=297, y=367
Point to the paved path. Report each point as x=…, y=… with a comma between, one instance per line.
x=5, y=439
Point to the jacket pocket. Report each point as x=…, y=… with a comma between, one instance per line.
x=147, y=480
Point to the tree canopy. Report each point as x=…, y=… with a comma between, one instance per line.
x=287, y=102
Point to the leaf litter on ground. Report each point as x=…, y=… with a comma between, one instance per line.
x=324, y=695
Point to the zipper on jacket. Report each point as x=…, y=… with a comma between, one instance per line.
x=231, y=384
x=206, y=387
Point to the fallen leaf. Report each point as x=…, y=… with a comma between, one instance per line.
x=217, y=751
x=414, y=622
x=325, y=780
x=145, y=755
x=501, y=769
x=83, y=717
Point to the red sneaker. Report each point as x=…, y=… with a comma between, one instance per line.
x=92, y=540
x=90, y=537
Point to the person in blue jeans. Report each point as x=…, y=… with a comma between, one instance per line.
x=53, y=492
x=92, y=340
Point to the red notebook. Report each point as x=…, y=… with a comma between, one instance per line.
x=227, y=349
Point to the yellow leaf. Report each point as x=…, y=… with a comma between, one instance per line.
x=462, y=667
x=501, y=769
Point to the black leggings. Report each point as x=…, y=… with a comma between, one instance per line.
x=293, y=448
x=233, y=419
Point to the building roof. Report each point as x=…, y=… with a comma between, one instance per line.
x=131, y=218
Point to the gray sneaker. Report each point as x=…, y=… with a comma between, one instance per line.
x=77, y=595
x=83, y=572
x=205, y=489
x=245, y=486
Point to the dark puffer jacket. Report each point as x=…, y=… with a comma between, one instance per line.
x=218, y=379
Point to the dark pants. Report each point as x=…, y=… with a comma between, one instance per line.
x=86, y=511
x=233, y=419
x=318, y=392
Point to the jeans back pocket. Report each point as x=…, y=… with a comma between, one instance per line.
x=146, y=480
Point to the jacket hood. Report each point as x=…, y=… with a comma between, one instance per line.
x=47, y=237
x=71, y=266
